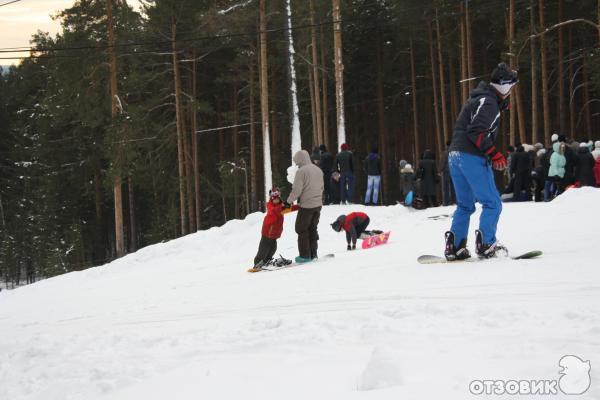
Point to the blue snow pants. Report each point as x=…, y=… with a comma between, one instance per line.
x=473, y=180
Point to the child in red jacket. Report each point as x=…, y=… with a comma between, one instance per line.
x=354, y=224
x=271, y=229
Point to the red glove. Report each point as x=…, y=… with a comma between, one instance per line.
x=499, y=162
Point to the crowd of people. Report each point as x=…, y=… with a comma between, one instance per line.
x=540, y=174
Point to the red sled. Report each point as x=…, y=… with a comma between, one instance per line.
x=375, y=240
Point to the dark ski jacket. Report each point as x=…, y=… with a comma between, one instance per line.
x=585, y=167
x=354, y=220
x=520, y=163
x=326, y=162
x=427, y=174
x=373, y=164
x=343, y=162
x=571, y=157
x=477, y=124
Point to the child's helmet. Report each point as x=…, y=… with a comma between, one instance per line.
x=274, y=193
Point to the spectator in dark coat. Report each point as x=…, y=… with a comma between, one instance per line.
x=343, y=163
x=447, y=185
x=373, y=171
x=520, y=170
x=326, y=165
x=571, y=158
x=539, y=175
x=428, y=176
x=584, y=169
x=315, y=157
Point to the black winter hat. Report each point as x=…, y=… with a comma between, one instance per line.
x=338, y=223
x=503, y=74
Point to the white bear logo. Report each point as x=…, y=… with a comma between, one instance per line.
x=574, y=375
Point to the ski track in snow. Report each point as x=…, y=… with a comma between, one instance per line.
x=184, y=319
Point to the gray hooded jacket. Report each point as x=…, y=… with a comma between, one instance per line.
x=308, y=182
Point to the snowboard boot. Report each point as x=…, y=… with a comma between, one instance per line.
x=488, y=250
x=453, y=253
x=302, y=260
x=259, y=265
x=281, y=262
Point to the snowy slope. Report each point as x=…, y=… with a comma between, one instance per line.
x=184, y=320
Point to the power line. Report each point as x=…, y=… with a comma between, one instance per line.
x=345, y=21
x=10, y=2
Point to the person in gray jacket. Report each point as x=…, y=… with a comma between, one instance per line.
x=308, y=190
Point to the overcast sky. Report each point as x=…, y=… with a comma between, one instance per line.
x=20, y=20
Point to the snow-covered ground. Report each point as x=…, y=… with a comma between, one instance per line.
x=184, y=320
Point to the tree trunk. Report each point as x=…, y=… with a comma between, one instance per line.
x=518, y=95
x=587, y=105
x=414, y=103
x=464, y=69
x=196, y=161
x=264, y=100
x=339, y=72
x=189, y=167
x=180, y=139
x=253, y=164
x=545, y=94
x=511, y=49
x=315, y=73
x=471, y=70
x=454, y=103
x=117, y=188
x=325, y=95
x=313, y=109
x=383, y=134
x=132, y=228
x=562, y=109
x=436, y=108
x=296, y=144
x=571, y=87
x=534, y=101
x=442, y=81
x=236, y=150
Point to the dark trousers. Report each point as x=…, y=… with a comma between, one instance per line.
x=360, y=228
x=521, y=183
x=347, y=186
x=306, y=228
x=447, y=189
x=326, y=187
x=266, y=250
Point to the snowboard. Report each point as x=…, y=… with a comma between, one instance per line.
x=294, y=264
x=375, y=240
x=430, y=259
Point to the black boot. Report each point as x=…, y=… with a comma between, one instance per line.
x=488, y=250
x=454, y=253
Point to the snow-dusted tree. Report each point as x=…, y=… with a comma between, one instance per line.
x=339, y=71
x=296, y=143
x=264, y=99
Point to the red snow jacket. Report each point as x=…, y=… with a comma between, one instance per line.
x=273, y=222
x=352, y=221
x=597, y=172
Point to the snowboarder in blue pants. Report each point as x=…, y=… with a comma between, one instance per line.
x=472, y=155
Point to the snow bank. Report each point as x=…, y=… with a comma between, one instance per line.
x=184, y=319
